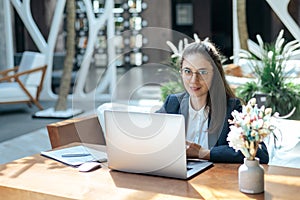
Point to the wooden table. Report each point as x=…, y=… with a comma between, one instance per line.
x=37, y=177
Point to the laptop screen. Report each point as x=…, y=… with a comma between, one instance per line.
x=147, y=143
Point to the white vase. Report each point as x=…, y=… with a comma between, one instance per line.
x=251, y=177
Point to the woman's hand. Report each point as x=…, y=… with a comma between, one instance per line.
x=196, y=151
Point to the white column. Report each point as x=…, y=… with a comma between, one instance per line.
x=280, y=7
x=6, y=43
x=236, y=40
x=95, y=24
x=46, y=47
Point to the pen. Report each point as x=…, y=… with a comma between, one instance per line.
x=75, y=155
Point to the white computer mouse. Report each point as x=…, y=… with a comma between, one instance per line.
x=89, y=166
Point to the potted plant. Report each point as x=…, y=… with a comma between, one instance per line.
x=272, y=82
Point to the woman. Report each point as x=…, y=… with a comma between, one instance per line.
x=207, y=105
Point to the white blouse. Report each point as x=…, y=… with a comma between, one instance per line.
x=197, y=126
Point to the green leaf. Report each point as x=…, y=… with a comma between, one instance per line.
x=171, y=87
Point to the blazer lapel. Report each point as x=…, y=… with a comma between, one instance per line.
x=213, y=136
x=184, y=109
x=212, y=139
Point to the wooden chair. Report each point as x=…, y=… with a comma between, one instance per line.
x=82, y=129
x=23, y=83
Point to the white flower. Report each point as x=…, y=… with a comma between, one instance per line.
x=278, y=46
x=280, y=35
x=279, y=41
x=268, y=111
x=258, y=124
x=252, y=101
x=176, y=52
x=249, y=128
x=260, y=42
x=244, y=54
x=291, y=48
x=196, y=38
x=270, y=55
x=234, y=137
x=185, y=42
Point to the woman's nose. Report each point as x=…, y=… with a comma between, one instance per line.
x=195, y=77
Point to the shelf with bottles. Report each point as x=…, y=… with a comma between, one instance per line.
x=136, y=6
x=128, y=40
x=133, y=6
x=80, y=7
x=99, y=5
x=124, y=56
x=134, y=58
x=81, y=23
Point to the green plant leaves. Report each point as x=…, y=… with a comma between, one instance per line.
x=283, y=95
x=171, y=87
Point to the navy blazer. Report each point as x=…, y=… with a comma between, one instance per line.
x=219, y=148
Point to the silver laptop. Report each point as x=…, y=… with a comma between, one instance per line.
x=149, y=143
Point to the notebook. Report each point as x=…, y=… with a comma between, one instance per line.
x=149, y=143
x=75, y=155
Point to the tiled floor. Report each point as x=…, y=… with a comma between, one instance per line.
x=25, y=145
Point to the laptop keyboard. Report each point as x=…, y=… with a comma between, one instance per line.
x=190, y=164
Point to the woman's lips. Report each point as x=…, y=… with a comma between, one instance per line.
x=195, y=88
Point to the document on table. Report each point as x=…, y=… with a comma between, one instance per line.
x=76, y=155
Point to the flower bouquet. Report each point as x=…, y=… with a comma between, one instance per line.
x=249, y=128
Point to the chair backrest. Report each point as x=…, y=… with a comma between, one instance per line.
x=31, y=60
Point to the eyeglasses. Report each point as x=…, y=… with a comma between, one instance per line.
x=188, y=73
